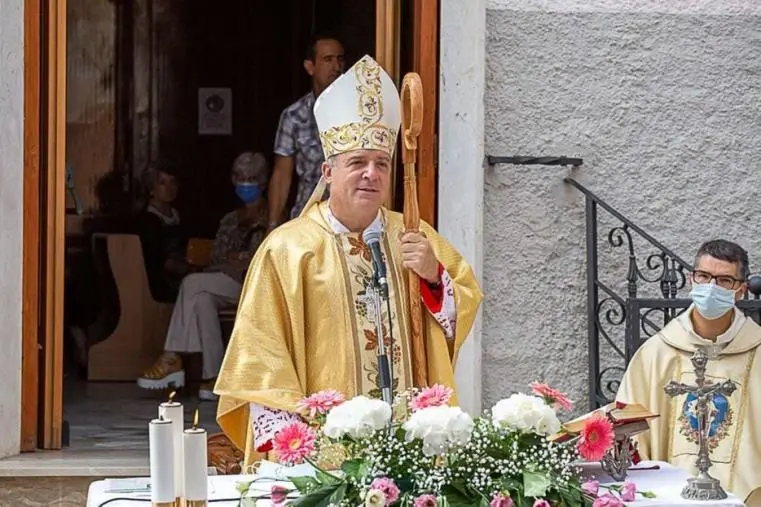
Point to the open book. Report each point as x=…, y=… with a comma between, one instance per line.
x=628, y=419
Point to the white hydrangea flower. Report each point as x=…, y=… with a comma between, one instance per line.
x=522, y=412
x=358, y=417
x=439, y=428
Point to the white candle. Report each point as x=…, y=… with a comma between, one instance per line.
x=173, y=410
x=161, y=444
x=196, y=471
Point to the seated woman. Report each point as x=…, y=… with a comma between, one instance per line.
x=195, y=323
x=162, y=237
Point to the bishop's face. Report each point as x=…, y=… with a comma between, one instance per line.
x=359, y=180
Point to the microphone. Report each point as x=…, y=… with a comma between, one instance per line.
x=372, y=240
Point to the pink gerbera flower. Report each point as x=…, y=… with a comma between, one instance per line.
x=293, y=443
x=541, y=502
x=596, y=438
x=434, y=396
x=321, y=402
x=552, y=396
x=425, y=501
x=389, y=488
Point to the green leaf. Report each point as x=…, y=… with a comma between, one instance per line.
x=355, y=468
x=248, y=501
x=570, y=497
x=458, y=496
x=510, y=483
x=318, y=498
x=405, y=484
x=535, y=484
x=242, y=487
x=326, y=478
x=305, y=484
x=338, y=495
x=647, y=494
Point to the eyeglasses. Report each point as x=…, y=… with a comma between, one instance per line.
x=726, y=281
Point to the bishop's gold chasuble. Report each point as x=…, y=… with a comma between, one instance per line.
x=734, y=437
x=305, y=320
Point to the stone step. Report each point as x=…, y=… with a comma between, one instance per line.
x=77, y=463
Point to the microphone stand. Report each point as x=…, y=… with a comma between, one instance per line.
x=385, y=365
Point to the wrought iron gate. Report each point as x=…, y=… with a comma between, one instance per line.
x=640, y=314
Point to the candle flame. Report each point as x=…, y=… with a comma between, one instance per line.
x=195, y=419
x=171, y=396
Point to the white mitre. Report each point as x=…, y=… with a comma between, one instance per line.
x=361, y=110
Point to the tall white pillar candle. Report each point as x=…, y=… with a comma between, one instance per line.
x=161, y=451
x=196, y=471
x=173, y=410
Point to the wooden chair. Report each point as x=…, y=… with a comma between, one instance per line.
x=140, y=331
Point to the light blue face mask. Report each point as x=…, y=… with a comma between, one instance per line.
x=248, y=192
x=712, y=301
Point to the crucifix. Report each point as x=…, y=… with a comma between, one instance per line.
x=704, y=486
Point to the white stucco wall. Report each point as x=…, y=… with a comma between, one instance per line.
x=11, y=183
x=461, y=153
x=661, y=100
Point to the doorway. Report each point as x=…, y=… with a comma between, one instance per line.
x=129, y=75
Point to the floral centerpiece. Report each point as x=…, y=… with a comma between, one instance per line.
x=423, y=453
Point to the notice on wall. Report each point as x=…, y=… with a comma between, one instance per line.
x=215, y=111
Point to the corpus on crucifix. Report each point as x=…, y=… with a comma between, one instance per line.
x=704, y=486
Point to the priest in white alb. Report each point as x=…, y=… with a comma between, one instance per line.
x=305, y=321
x=732, y=339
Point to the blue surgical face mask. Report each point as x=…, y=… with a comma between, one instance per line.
x=712, y=301
x=248, y=192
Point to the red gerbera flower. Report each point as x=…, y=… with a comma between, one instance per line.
x=596, y=438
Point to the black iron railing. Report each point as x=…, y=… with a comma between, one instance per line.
x=640, y=296
x=631, y=314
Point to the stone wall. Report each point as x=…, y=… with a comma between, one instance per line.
x=662, y=105
x=11, y=192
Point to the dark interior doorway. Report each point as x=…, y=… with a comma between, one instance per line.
x=144, y=109
x=255, y=50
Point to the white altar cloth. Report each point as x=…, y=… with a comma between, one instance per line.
x=666, y=482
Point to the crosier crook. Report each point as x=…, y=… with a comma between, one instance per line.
x=412, y=121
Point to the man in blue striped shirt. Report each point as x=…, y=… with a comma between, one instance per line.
x=297, y=143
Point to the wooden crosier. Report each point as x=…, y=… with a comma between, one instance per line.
x=412, y=122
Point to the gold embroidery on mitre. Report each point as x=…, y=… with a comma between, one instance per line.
x=368, y=133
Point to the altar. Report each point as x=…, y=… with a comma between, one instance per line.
x=660, y=478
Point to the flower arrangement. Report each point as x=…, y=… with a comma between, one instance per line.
x=422, y=452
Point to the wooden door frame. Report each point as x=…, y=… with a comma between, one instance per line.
x=30, y=309
x=44, y=223
x=55, y=212
x=426, y=64
x=425, y=61
x=44, y=169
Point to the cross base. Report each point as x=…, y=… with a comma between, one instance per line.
x=703, y=488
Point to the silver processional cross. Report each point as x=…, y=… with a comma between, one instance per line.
x=704, y=486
